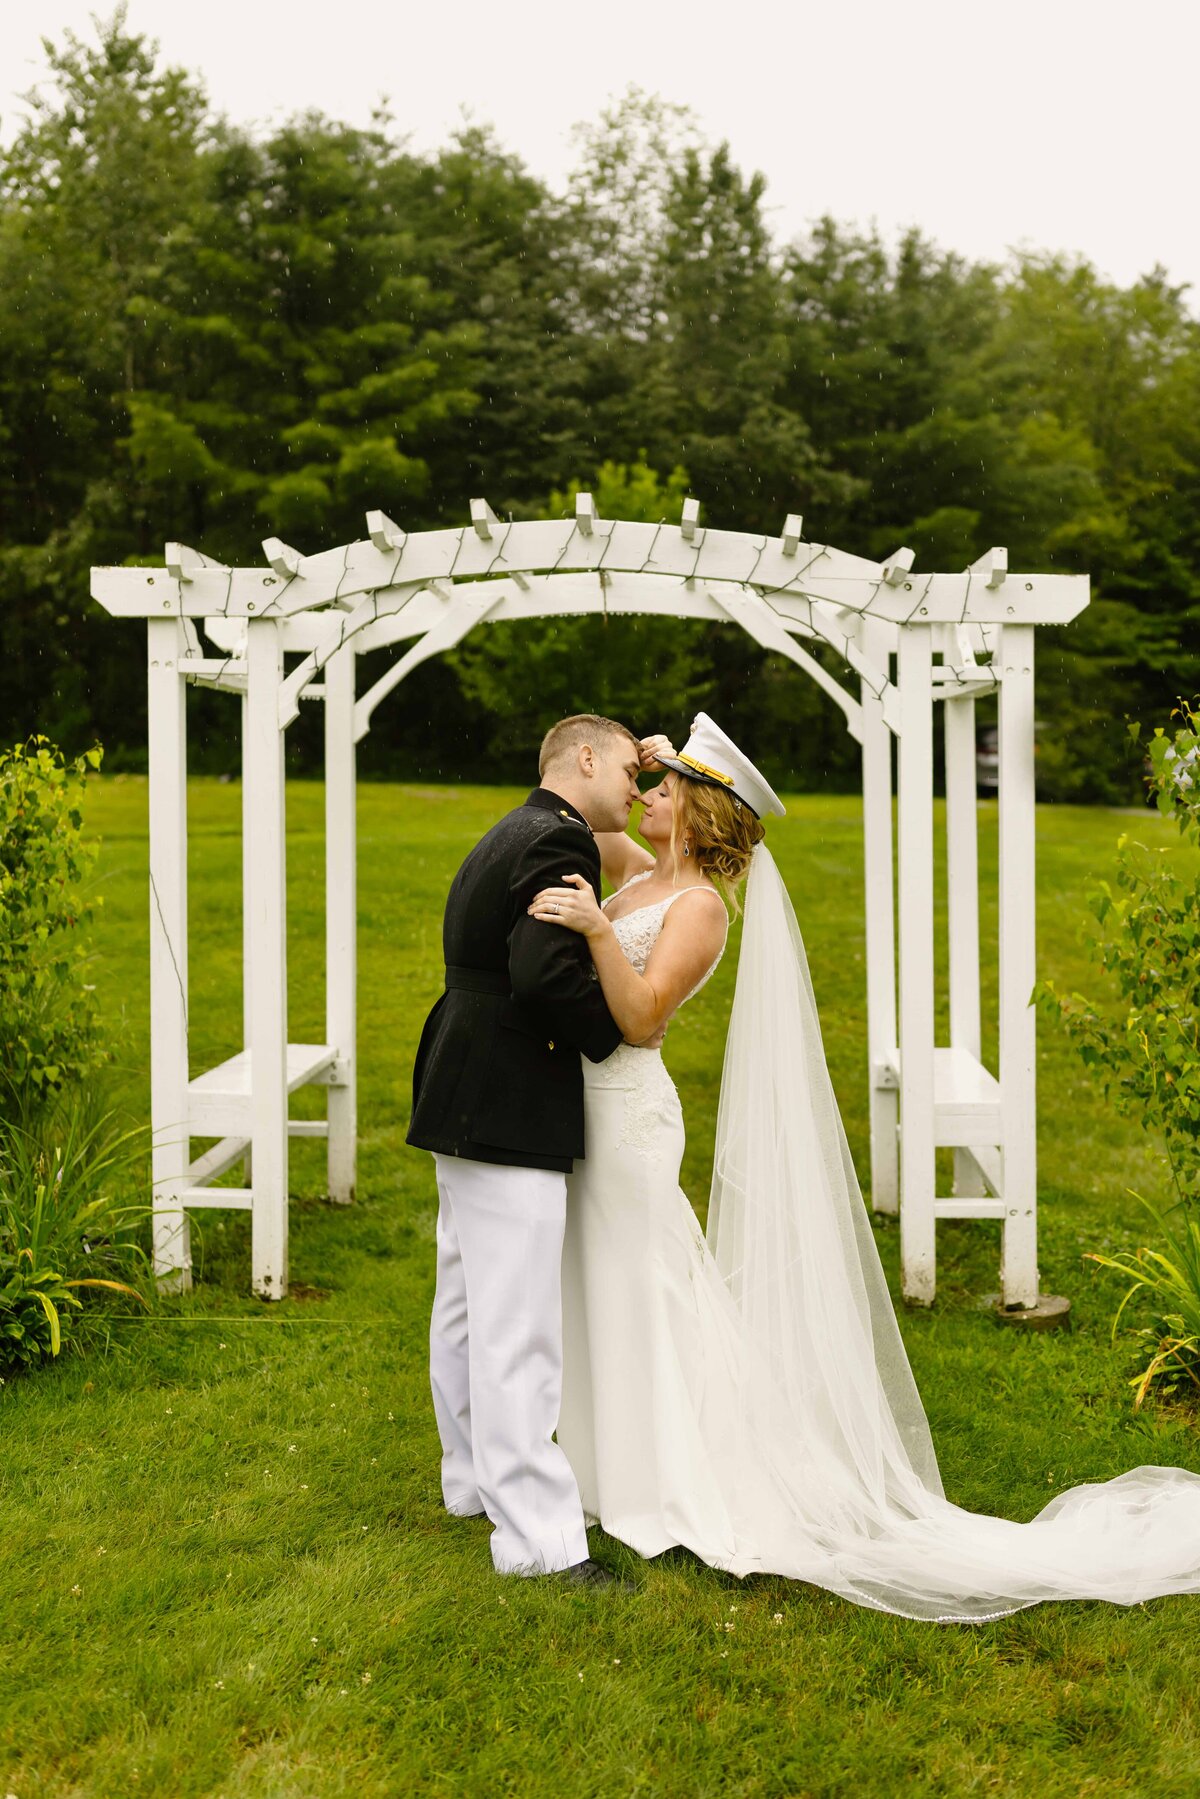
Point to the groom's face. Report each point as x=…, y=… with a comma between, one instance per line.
x=613, y=787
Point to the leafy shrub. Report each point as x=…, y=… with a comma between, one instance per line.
x=1147, y=1052
x=67, y=1227
x=49, y=1035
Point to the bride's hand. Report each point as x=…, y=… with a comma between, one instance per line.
x=650, y=749
x=573, y=905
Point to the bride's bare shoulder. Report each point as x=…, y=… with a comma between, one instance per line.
x=707, y=917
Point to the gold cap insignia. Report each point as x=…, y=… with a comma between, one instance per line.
x=702, y=768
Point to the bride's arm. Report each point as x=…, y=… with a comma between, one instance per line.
x=620, y=857
x=689, y=943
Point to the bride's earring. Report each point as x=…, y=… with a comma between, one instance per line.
x=686, y=847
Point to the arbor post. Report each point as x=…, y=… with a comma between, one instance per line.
x=1018, y=967
x=962, y=897
x=247, y=839
x=917, y=1160
x=171, y=1152
x=341, y=959
x=879, y=902
x=267, y=965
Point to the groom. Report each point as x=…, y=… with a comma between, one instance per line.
x=498, y=1098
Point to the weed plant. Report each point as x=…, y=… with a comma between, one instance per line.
x=73, y=1221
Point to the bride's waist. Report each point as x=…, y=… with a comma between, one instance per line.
x=629, y=1065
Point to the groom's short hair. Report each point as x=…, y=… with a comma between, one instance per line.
x=566, y=737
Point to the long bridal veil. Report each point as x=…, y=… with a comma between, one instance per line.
x=829, y=1402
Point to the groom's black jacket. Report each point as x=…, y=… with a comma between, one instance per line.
x=497, y=1075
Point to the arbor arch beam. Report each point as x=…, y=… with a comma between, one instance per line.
x=810, y=572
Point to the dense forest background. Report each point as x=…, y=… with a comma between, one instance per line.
x=214, y=335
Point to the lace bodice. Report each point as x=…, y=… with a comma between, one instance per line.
x=638, y=931
x=651, y=1102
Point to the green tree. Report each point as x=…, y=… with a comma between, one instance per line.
x=645, y=671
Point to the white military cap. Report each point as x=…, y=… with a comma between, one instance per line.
x=709, y=755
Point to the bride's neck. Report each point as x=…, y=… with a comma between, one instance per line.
x=672, y=871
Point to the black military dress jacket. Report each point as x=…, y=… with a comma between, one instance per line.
x=497, y=1076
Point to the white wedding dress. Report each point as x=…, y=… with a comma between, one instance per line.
x=749, y=1397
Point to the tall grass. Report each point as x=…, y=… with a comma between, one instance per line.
x=72, y=1225
x=227, y=1567
x=1168, y=1282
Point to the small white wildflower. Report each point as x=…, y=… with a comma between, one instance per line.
x=312, y=1639
x=374, y=1461
x=778, y=1617
x=391, y=1418
x=616, y=1661
x=304, y=1486
x=291, y=1449
x=724, y=1653
x=103, y=1551
x=366, y=1679
x=343, y=1691
x=581, y=1674
x=77, y=1589
x=366, y=1527
x=170, y=1413
x=221, y=1345
x=218, y=1683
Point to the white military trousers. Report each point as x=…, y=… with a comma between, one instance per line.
x=495, y=1360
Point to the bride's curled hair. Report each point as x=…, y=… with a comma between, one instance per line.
x=720, y=833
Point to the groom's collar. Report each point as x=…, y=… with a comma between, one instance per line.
x=554, y=802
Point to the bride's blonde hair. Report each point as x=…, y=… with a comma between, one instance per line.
x=720, y=832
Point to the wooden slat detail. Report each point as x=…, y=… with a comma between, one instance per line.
x=218, y=1160
x=966, y=1098
x=233, y=1199
x=747, y=609
x=811, y=570
x=985, y=1207
x=183, y=563
x=219, y=1100
x=462, y=612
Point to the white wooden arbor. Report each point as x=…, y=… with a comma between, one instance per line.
x=912, y=642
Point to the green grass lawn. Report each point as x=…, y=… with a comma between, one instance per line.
x=226, y=1569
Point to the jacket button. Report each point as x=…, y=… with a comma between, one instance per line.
x=550, y=1045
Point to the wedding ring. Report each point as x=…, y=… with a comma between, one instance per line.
x=554, y=905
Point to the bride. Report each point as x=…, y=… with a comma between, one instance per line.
x=748, y=1396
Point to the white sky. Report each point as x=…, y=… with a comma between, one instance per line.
x=1049, y=124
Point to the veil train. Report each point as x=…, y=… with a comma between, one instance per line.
x=830, y=1400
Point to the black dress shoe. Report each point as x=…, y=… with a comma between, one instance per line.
x=591, y=1574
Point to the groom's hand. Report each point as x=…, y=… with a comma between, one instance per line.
x=649, y=751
